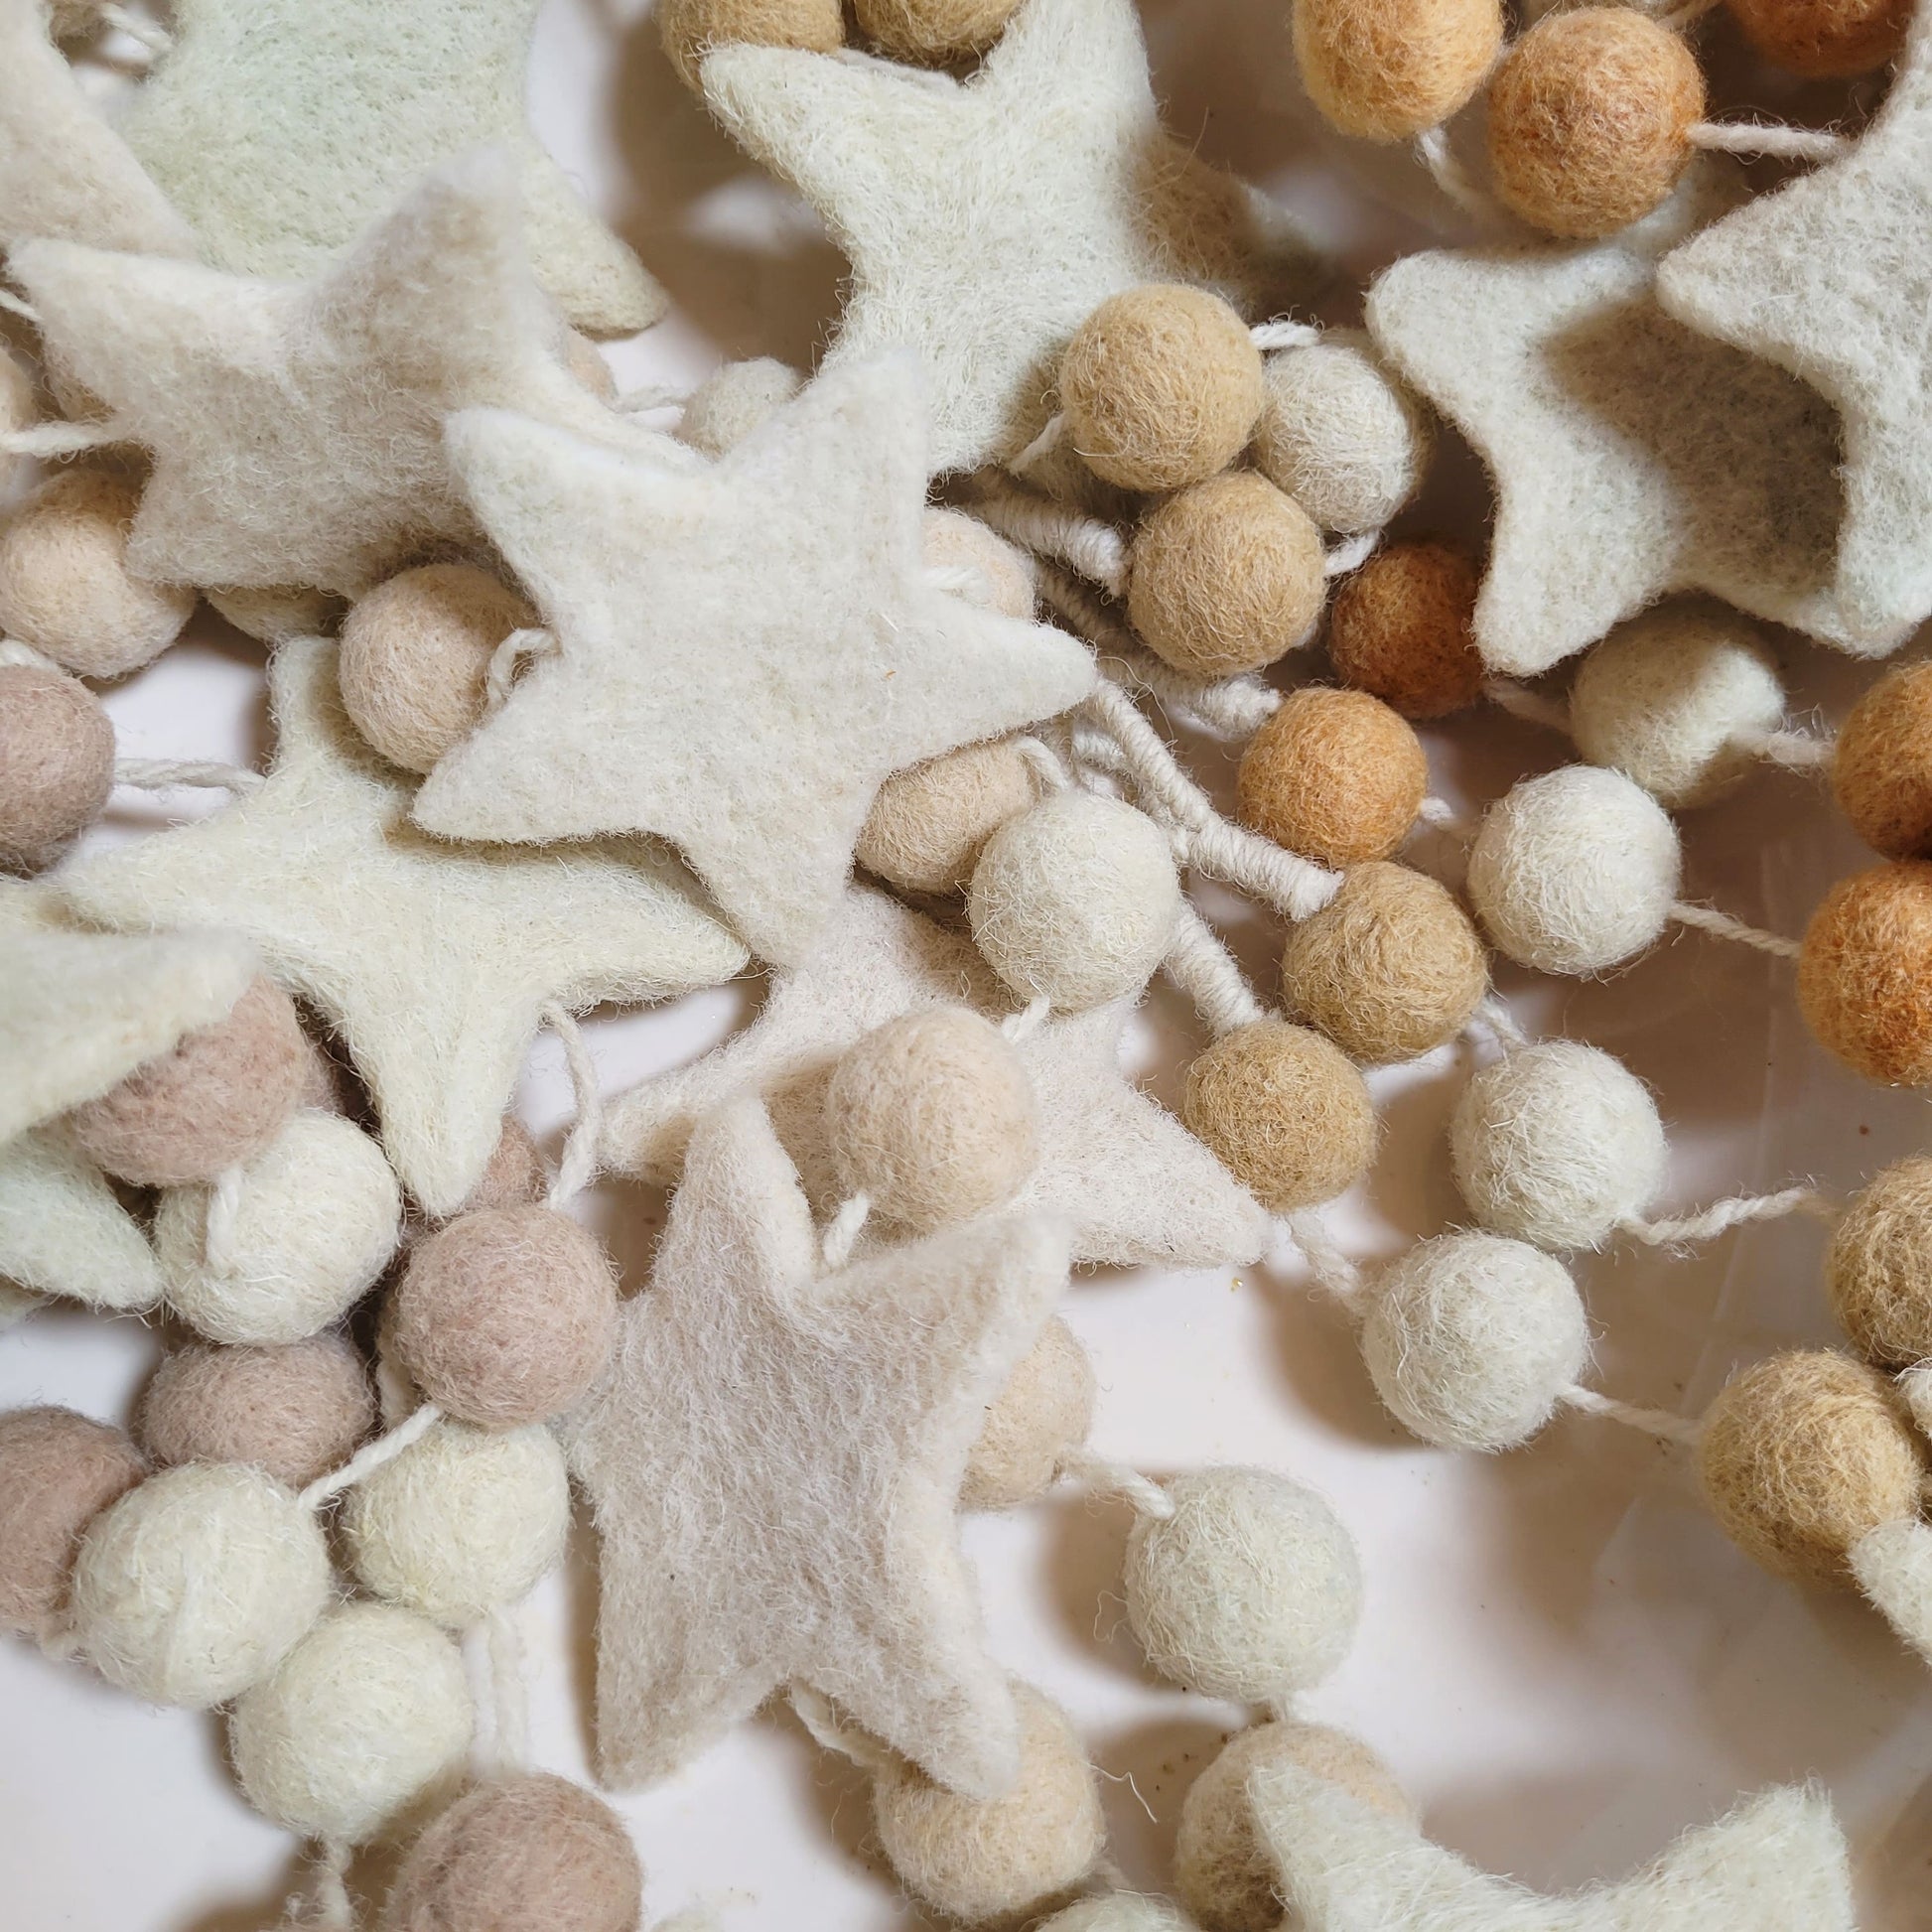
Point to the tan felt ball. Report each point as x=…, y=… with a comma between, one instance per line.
x=1865, y=977
x=1226, y=577
x=296, y=1411
x=1400, y=628
x=952, y=540
x=1285, y=1111
x=975, y=1859
x=933, y=32
x=690, y=29
x=1389, y=967
x=274, y=616
x=58, y=1472
x=1825, y=38
x=1160, y=387
x=415, y=654
x=524, y=1854
x=211, y=1104
x=1335, y=776
x=1879, y=1268
x=1045, y=1410
x=1387, y=70
x=1803, y=1454
x=516, y=1175
x=929, y=823
x=1881, y=767
x=56, y=763
x=506, y=1315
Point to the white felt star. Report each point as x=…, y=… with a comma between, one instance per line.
x=1133, y=1183
x=746, y=653
x=297, y=429
x=987, y=219
x=1776, y=1863
x=62, y=1230
x=281, y=128
x=432, y=961
x=775, y=1462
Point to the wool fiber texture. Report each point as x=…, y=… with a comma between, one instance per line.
x=58, y=1472
x=278, y=613
x=64, y=1230
x=933, y=32
x=1118, y=1911
x=1045, y=1410
x=774, y=1461
x=1879, y=1268
x=1399, y=629
x=955, y=541
x=57, y=750
x=1893, y=1566
x=734, y=400
x=929, y=823
x=690, y=29
x=1824, y=36
x=1864, y=976
x=515, y=1174
x=1388, y=69
x=1881, y=765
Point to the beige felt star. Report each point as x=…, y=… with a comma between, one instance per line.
x=282, y=128
x=775, y=1462
x=986, y=219
x=63, y=1231
x=1776, y=1863
x=432, y=961
x=1632, y=457
x=744, y=654
x=297, y=428
x=1830, y=278
x=1133, y=1183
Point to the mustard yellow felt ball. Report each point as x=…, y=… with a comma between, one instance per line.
x=1387, y=70
x=1401, y=628
x=1879, y=1268
x=1822, y=39
x=1881, y=765
x=1864, y=976
x=932, y=33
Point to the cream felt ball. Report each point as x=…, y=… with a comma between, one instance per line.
x=1401, y=628
x=734, y=400
x=314, y=1221
x=506, y=1315
x=367, y=1718
x=933, y=32
x=58, y=1472
x=1823, y=38
x=1387, y=70
x=196, y=1583
x=1118, y=1911
x=1471, y=1338
x=1250, y=1590
x=56, y=763
x=1676, y=699
x=521, y=1854
x=1864, y=975
x=975, y=1859
x=932, y=1116
x=1879, y=1268
x=1575, y=872
x=1881, y=765
x=1076, y=901
x=952, y=540
x=461, y=1521
x=690, y=29
x=1045, y=1410
x=1558, y=1143
x=275, y=614
x=929, y=823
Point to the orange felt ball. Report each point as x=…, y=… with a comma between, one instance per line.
x=1823, y=38
x=1864, y=976
x=1882, y=767
x=1386, y=69
x=1400, y=628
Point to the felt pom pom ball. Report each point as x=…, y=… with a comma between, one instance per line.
x=1879, y=1268
x=275, y=613
x=56, y=763
x=1864, y=976
x=58, y=1472
x=1250, y=1590
x=690, y=29
x=1118, y=1911
x=1823, y=38
x=514, y=1175
x=734, y=400
x=952, y=540
x=196, y=1583
x=1400, y=628
x=1471, y=1339
x=1076, y=901
x=929, y=823
x=1045, y=1410
x=1388, y=69
x=1881, y=765
x=933, y=32
x=1575, y=871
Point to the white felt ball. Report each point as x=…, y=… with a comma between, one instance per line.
x=1676, y=700
x=1076, y=901
x=1555, y=1144
x=1250, y=1590
x=367, y=1718
x=196, y=1583
x=460, y=1521
x=1471, y=1338
x=1575, y=872
x=1119, y=1912
x=314, y=1222
x=734, y=400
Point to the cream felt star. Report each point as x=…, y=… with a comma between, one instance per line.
x=432, y=961
x=297, y=428
x=985, y=219
x=744, y=654
x=774, y=1461
x=281, y=128
x=1133, y=1183
x=62, y=1230
x=1775, y=1863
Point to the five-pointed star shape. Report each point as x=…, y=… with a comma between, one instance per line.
x=774, y=1461
x=281, y=128
x=432, y=961
x=1830, y=278
x=1133, y=1183
x=1775, y=1863
x=745, y=654
x=297, y=428
x=986, y=219
x=63, y=1231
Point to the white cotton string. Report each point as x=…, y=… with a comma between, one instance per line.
x=1351, y=553
x=61, y=439
x=218, y=1229
x=14, y=306
x=510, y=1695
x=1795, y=749
x=1095, y=1472
x=1720, y=926
x=577, y=1167
x=395, y=1394
x=1660, y=1423
x=1530, y=706
x=842, y=1230
x=1095, y=549
x=1765, y=138
x=150, y=32
x=165, y=775
x=371, y=1457
x=962, y=580
x=1440, y=817
x=1331, y=1268
x=1046, y=763
x=1501, y=1022
x=1045, y=444
x=820, y=1716
x=653, y=395
x=1029, y=1020
x=330, y=1903
x=507, y=660
x=1203, y=969
x=1279, y=333
x=480, y=1675
x=1739, y=1211
x=1432, y=149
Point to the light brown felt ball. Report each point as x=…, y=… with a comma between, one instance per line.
x=690, y=29
x=1226, y=577
x=415, y=654
x=1335, y=776
x=212, y=1103
x=506, y=1315
x=1881, y=766
x=58, y=1472
x=1387, y=70
x=949, y=539
x=1400, y=628
x=1879, y=1268
x=528, y=1853
x=1045, y=1410
x=296, y=1411
x=1804, y=1452
x=1864, y=976
x=1285, y=1111
x=515, y=1174
x=56, y=763
x=1389, y=967
x=1823, y=38
x=933, y=32
x=1160, y=387
x=929, y=823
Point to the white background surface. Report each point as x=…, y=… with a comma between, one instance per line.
x=1562, y=1657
